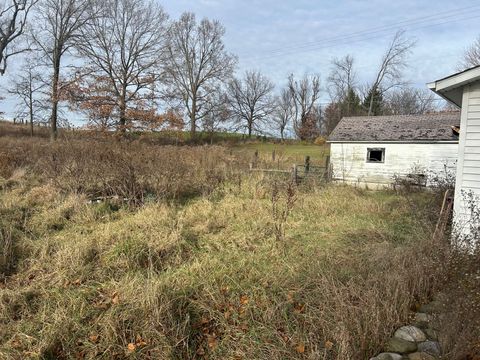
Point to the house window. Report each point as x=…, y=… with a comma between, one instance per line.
x=376, y=155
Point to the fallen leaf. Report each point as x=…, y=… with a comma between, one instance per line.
x=328, y=345
x=244, y=300
x=93, y=338
x=299, y=308
x=131, y=347
x=225, y=290
x=16, y=344
x=140, y=341
x=212, y=342
x=300, y=348
x=201, y=351
x=115, y=298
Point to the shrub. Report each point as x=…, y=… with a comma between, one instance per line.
x=116, y=169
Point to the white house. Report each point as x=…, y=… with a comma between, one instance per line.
x=372, y=151
x=463, y=90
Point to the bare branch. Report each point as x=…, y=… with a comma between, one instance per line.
x=393, y=63
x=195, y=62
x=250, y=100
x=13, y=21
x=123, y=47
x=305, y=94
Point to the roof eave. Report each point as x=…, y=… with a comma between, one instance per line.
x=450, y=88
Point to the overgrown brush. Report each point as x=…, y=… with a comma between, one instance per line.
x=128, y=171
x=208, y=279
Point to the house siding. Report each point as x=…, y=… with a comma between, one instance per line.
x=468, y=172
x=349, y=161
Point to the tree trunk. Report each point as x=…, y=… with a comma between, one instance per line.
x=250, y=124
x=31, y=114
x=123, y=113
x=54, y=116
x=372, y=96
x=193, y=116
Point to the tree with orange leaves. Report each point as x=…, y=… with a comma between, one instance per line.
x=121, y=45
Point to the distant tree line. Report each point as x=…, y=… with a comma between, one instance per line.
x=126, y=66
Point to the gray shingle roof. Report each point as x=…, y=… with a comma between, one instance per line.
x=429, y=127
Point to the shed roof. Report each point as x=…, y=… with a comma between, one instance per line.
x=398, y=128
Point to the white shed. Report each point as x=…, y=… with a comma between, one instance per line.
x=463, y=90
x=373, y=151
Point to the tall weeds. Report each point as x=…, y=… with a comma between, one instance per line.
x=130, y=171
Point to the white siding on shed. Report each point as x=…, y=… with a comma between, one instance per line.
x=468, y=173
x=349, y=161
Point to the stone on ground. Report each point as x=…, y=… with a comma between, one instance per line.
x=422, y=320
x=420, y=356
x=430, y=347
x=431, y=334
x=401, y=346
x=410, y=333
x=388, y=356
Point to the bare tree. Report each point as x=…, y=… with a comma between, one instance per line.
x=250, y=100
x=218, y=116
x=58, y=30
x=342, y=78
x=283, y=113
x=410, y=101
x=305, y=94
x=13, y=21
x=196, y=61
x=471, y=57
x=393, y=63
x=123, y=48
x=27, y=88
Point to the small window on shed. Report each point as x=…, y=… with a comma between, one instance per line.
x=376, y=155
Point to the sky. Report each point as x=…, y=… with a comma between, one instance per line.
x=301, y=36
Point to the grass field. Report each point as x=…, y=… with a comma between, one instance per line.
x=131, y=250
x=285, y=154
x=209, y=278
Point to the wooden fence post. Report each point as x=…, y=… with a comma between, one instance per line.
x=307, y=164
x=295, y=174
x=255, y=158
x=328, y=172
x=273, y=156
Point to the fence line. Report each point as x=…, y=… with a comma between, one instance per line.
x=298, y=172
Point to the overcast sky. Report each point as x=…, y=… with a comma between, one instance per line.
x=298, y=36
x=279, y=37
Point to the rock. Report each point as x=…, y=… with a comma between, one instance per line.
x=410, y=333
x=431, y=308
x=431, y=334
x=430, y=347
x=420, y=356
x=422, y=320
x=401, y=346
x=388, y=356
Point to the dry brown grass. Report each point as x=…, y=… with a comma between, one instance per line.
x=130, y=171
x=209, y=278
x=223, y=274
